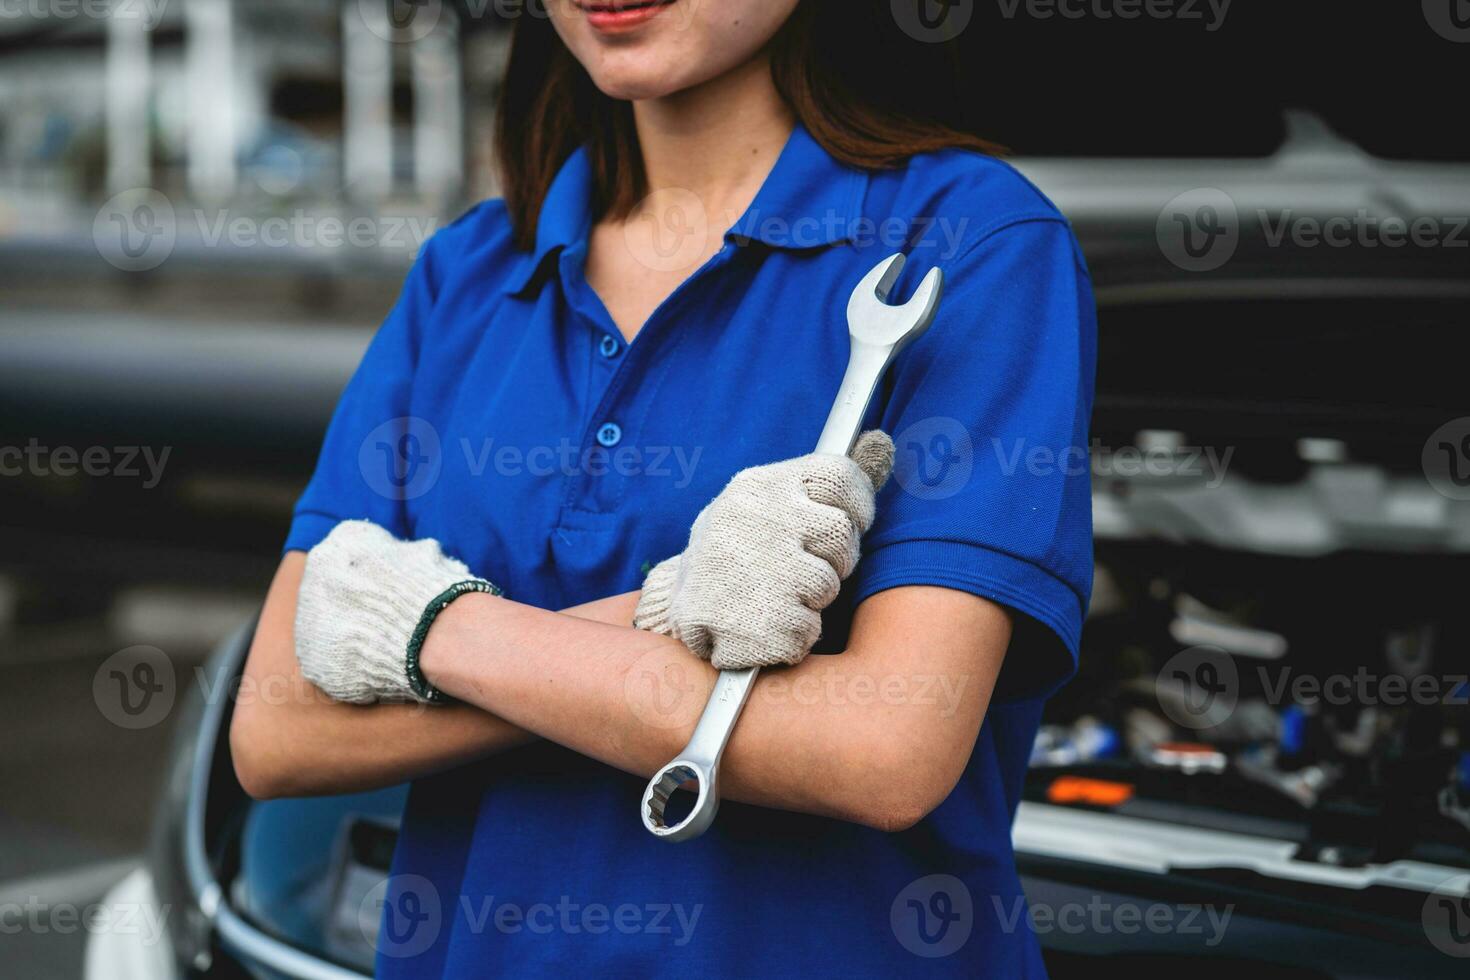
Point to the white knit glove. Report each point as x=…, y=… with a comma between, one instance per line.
x=767, y=556
x=362, y=595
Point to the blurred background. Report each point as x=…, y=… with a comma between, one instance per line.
x=206, y=207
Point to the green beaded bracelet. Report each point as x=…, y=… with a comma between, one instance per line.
x=416, y=680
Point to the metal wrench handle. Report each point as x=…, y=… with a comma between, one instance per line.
x=700, y=760
x=877, y=333
x=866, y=364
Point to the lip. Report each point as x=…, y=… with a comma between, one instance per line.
x=616, y=16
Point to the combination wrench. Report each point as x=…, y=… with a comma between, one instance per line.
x=877, y=333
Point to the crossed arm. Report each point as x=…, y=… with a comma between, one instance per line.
x=836, y=736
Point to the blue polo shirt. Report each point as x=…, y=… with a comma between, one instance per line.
x=500, y=411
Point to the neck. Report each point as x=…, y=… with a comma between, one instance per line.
x=718, y=140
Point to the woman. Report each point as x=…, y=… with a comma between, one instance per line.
x=570, y=377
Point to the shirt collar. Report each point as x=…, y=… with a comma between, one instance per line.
x=565, y=219
x=809, y=200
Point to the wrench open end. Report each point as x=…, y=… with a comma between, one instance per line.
x=661, y=789
x=887, y=274
x=873, y=320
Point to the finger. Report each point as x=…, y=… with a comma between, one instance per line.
x=788, y=643
x=828, y=533
x=874, y=455
x=815, y=580
x=837, y=481
x=656, y=600
x=698, y=639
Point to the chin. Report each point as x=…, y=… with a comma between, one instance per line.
x=670, y=47
x=639, y=82
x=636, y=68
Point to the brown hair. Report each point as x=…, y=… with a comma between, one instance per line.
x=869, y=95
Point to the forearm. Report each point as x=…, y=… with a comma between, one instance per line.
x=321, y=747
x=290, y=739
x=822, y=737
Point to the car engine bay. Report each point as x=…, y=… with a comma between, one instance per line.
x=1273, y=687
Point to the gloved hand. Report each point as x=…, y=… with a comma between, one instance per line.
x=363, y=594
x=767, y=556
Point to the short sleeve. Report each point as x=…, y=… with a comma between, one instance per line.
x=989, y=413
x=375, y=455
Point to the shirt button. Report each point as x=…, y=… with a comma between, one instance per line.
x=610, y=346
x=610, y=434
